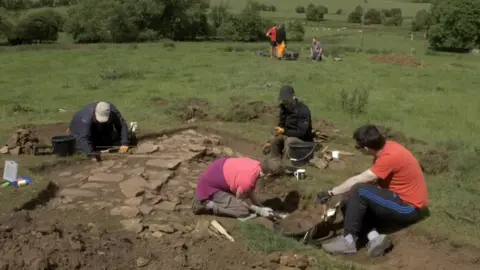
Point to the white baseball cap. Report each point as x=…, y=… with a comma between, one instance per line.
x=102, y=112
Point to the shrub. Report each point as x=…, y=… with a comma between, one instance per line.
x=300, y=9
x=392, y=17
x=148, y=35
x=62, y=2
x=356, y=15
x=315, y=13
x=16, y=4
x=373, y=16
x=339, y=11
x=247, y=26
x=354, y=103
x=454, y=25
x=39, y=26
x=47, y=3
x=271, y=8
x=422, y=21
x=296, y=31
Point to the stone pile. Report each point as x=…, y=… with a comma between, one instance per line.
x=22, y=142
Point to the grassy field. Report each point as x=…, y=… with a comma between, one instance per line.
x=436, y=103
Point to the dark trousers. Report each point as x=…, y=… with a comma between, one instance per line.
x=368, y=206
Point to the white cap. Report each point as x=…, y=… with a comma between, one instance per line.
x=102, y=112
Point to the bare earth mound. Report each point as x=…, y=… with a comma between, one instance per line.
x=395, y=59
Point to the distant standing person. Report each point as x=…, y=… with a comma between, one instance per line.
x=316, y=50
x=281, y=41
x=99, y=124
x=272, y=34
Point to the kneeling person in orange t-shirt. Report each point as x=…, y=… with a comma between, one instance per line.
x=227, y=187
x=399, y=196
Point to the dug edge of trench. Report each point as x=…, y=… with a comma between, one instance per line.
x=426, y=253
x=231, y=140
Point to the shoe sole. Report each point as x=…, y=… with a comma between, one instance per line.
x=381, y=248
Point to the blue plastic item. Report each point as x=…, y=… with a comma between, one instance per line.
x=22, y=181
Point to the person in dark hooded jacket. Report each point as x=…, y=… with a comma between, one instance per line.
x=99, y=125
x=294, y=124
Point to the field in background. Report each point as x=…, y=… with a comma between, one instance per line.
x=436, y=102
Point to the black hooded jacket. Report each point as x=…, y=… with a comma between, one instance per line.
x=297, y=122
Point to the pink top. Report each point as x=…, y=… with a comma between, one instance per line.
x=241, y=174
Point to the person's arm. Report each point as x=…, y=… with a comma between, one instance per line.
x=268, y=32
x=120, y=125
x=311, y=51
x=302, y=126
x=365, y=177
x=82, y=131
x=254, y=199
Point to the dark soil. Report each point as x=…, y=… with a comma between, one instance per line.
x=394, y=59
x=33, y=140
x=300, y=221
x=246, y=111
x=399, y=136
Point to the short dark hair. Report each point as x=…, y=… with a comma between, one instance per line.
x=369, y=136
x=272, y=166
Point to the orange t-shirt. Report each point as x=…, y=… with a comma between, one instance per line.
x=241, y=174
x=400, y=172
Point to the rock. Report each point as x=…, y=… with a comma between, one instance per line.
x=145, y=209
x=287, y=268
x=165, y=228
x=126, y=211
x=228, y=151
x=141, y=262
x=15, y=151
x=211, y=142
x=187, y=156
x=65, y=174
x=136, y=171
x=157, y=234
x=146, y=148
x=135, y=201
x=166, y=206
x=133, y=187
x=158, y=179
x=107, y=163
x=273, y=257
x=133, y=225
x=319, y=163
x=4, y=150
x=179, y=227
x=183, y=207
x=92, y=186
x=79, y=176
x=106, y=177
x=201, y=230
x=197, y=148
x=76, y=192
x=170, y=164
x=217, y=151
x=193, y=185
x=294, y=260
x=101, y=205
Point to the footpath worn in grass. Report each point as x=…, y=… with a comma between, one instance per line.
x=435, y=103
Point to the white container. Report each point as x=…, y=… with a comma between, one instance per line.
x=10, y=171
x=335, y=155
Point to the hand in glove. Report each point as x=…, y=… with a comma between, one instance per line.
x=123, y=149
x=323, y=197
x=264, y=211
x=279, y=131
x=266, y=148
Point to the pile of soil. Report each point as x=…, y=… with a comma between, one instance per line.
x=22, y=142
x=434, y=161
x=190, y=109
x=396, y=59
x=399, y=136
x=324, y=130
x=246, y=111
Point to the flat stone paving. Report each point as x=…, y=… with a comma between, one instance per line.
x=153, y=185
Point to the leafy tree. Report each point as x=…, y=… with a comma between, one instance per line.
x=39, y=26
x=356, y=15
x=455, y=25
x=296, y=31
x=316, y=13
x=373, y=16
x=300, y=9
x=422, y=21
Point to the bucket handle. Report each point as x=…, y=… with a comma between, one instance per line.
x=301, y=159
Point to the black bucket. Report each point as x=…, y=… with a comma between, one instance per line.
x=63, y=145
x=300, y=153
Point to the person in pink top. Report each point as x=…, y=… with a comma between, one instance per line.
x=227, y=186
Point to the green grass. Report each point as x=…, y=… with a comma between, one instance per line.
x=436, y=103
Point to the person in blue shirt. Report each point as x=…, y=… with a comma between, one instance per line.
x=99, y=125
